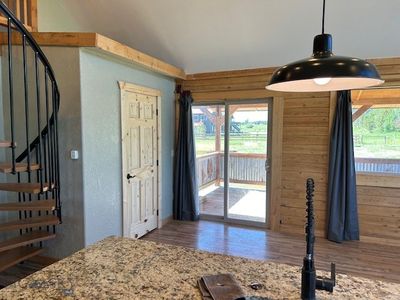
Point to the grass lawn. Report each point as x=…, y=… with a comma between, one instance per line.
x=369, y=146
x=243, y=144
x=373, y=145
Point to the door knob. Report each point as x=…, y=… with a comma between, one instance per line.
x=129, y=176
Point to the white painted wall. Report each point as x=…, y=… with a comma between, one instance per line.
x=101, y=140
x=210, y=35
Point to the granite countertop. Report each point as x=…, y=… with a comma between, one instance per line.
x=121, y=268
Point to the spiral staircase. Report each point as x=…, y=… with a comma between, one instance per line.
x=30, y=206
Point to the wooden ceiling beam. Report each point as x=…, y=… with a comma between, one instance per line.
x=378, y=101
x=359, y=112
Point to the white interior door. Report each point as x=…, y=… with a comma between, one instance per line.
x=140, y=161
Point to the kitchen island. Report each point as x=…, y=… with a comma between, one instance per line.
x=121, y=268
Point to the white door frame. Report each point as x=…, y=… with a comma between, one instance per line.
x=133, y=88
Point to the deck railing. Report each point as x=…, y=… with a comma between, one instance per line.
x=243, y=168
x=24, y=10
x=250, y=168
x=378, y=165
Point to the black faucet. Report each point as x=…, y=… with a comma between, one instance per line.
x=309, y=280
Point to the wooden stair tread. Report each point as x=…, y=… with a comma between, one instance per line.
x=5, y=144
x=12, y=257
x=49, y=204
x=6, y=167
x=26, y=239
x=29, y=223
x=33, y=188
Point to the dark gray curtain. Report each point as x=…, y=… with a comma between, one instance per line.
x=186, y=202
x=342, y=194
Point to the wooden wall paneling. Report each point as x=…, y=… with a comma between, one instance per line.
x=25, y=11
x=305, y=154
x=378, y=180
x=18, y=10
x=306, y=123
x=231, y=74
x=33, y=15
x=379, y=193
x=276, y=163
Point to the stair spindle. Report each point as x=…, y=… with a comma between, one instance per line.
x=11, y=93
x=27, y=115
x=48, y=162
x=26, y=94
x=19, y=200
x=38, y=106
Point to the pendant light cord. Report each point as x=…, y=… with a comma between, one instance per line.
x=323, y=17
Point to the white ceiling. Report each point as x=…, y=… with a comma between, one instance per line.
x=212, y=35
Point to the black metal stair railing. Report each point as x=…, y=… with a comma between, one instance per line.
x=42, y=150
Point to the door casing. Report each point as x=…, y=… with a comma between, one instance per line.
x=126, y=87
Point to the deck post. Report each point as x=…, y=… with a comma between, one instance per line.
x=218, y=144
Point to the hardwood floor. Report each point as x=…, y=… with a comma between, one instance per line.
x=356, y=258
x=24, y=269
x=18, y=272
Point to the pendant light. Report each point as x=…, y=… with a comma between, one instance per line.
x=324, y=71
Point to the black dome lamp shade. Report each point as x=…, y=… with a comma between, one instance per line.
x=324, y=71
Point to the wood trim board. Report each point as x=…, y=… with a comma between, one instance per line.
x=276, y=163
x=104, y=44
x=378, y=180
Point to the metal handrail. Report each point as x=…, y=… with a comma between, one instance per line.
x=48, y=136
x=36, y=48
x=30, y=39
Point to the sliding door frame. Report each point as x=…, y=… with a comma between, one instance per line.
x=227, y=103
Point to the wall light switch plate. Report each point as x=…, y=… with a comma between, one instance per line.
x=74, y=154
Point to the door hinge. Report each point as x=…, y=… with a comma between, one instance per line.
x=157, y=212
x=157, y=162
x=156, y=111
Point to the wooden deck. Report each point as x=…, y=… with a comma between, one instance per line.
x=245, y=203
x=357, y=258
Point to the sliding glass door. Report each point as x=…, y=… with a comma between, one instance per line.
x=208, y=121
x=232, y=138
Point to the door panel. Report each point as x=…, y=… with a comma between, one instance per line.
x=231, y=159
x=139, y=126
x=134, y=142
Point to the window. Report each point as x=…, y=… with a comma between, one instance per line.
x=376, y=130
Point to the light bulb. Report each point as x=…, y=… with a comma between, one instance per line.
x=322, y=81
